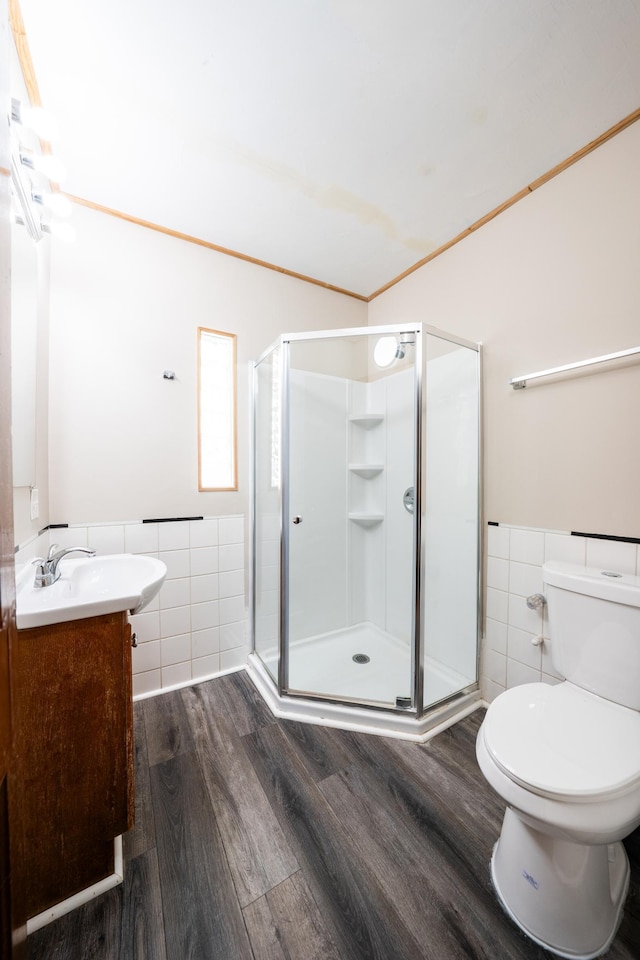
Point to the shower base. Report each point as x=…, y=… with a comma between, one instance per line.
x=324, y=667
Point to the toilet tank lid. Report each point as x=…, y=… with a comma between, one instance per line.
x=593, y=581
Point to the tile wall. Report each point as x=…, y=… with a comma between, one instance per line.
x=514, y=571
x=198, y=624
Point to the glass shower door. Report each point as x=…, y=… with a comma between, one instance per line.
x=450, y=505
x=350, y=540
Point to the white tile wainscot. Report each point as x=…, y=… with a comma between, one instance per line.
x=36, y=546
x=197, y=626
x=514, y=571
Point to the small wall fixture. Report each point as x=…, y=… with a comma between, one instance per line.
x=169, y=375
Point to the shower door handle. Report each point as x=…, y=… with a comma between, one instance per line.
x=297, y=520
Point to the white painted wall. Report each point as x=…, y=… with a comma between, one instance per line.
x=31, y=423
x=125, y=305
x=553, y=279
x=29, y=302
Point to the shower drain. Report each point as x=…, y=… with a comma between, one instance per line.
x=360, y=658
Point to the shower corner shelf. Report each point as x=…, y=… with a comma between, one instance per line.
x=366, y=420
x=366, y=519
x=366, y=469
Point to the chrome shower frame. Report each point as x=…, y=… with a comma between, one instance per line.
x=420, y=721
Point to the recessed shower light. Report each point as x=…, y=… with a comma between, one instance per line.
x=385, y=350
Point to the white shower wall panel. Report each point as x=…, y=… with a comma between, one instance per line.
x=367, y=575
x=367, y=544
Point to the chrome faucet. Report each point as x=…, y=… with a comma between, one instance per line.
x=47, y=571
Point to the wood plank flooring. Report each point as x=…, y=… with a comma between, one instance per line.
x=273, y=840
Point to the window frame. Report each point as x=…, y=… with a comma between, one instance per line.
x=234, y=410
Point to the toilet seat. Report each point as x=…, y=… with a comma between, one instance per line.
x=564, y=743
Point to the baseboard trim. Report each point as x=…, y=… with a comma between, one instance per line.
x=84, y=896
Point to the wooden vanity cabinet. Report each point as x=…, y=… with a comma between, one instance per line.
x=74, y=748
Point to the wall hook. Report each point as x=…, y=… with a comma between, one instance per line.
x=169, y=375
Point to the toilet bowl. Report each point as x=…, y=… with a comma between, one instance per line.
x=566, y=761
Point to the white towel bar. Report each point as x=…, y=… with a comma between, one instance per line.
x=519, y=383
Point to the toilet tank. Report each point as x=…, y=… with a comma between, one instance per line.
x=594, y=629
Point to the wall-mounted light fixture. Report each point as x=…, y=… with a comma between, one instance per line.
x=389, y=349
x=35, y=205
x=37, y=119
x=45, y=163
x=25, y=212
x=384, y=352
x=55, y=203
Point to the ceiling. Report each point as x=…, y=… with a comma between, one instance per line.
x=344, y=140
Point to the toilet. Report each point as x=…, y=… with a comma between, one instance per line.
x=565, y=758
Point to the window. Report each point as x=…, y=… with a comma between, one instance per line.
x=217, y=445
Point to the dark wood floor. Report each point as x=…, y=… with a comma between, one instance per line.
x=273, y=840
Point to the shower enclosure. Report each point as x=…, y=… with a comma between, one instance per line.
x=365, y=527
